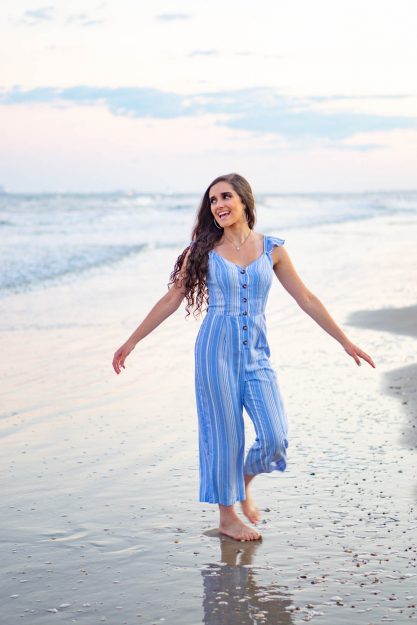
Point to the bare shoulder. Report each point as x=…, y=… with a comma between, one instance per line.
x=187, y=255
x=185, y=262
x=260, y=238
x=178, y=286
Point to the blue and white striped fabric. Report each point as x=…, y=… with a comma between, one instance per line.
x=232, y=372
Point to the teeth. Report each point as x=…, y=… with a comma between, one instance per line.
x=223, y=214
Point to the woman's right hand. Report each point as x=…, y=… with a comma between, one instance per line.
x=120, y=356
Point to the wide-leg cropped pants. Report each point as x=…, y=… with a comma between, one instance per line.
x=231, y=375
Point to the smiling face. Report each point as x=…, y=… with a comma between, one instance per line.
x=225, y=204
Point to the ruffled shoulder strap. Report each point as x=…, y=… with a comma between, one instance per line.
x=271, y=242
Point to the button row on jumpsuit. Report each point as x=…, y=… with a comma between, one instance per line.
x=245, y=299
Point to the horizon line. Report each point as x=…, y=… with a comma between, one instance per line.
x=134, y=192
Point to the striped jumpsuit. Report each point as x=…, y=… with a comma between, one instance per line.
x=232, y=372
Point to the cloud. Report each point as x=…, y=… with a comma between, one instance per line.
x=82, y=19
x=34, y=16
x=128, y=101
x=359, y=147
x=18, y=96
x=203, y=53
x=334, y=98
x=46, y=14
x=263, y=111
x=171, y=17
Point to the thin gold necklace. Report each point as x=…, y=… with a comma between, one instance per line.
x=238, y=247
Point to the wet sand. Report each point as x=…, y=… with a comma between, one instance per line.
x=400, y=383
x=99, y=473
x=397, y=320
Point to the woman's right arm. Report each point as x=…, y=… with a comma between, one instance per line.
x=168, y=304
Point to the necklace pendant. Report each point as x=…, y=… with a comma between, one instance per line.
x=238, y=248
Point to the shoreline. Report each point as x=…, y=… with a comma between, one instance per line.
x=399, y=383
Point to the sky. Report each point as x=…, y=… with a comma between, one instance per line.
x=162, y=96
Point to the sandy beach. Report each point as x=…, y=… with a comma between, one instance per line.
x=399, y=383
x=100, y=516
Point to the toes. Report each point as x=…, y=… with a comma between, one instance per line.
x=242, y=534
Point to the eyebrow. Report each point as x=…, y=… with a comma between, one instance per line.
x=224, y=193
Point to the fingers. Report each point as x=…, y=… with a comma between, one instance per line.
x=359, y=353
x=115, y=364
x=352, y=351
x=368, y=359
x=365, y=357
x=118, y=361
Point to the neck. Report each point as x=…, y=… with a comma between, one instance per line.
x=236, y=233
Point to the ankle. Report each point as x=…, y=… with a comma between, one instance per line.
x=248, y=479
x=227, y=514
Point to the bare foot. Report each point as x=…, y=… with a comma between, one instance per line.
x=249, y=509
x=238, y=530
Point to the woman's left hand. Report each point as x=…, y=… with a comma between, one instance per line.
x=356, y=353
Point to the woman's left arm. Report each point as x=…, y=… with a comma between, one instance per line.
x=291, y=281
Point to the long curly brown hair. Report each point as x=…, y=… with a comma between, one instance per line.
x=204, y=236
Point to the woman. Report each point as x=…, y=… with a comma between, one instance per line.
x=229, y=266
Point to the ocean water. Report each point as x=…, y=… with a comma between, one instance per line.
x=50, y=238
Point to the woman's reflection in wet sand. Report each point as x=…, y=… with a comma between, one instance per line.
x=232, y=594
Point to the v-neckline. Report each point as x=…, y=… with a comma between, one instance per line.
x=241, y=266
